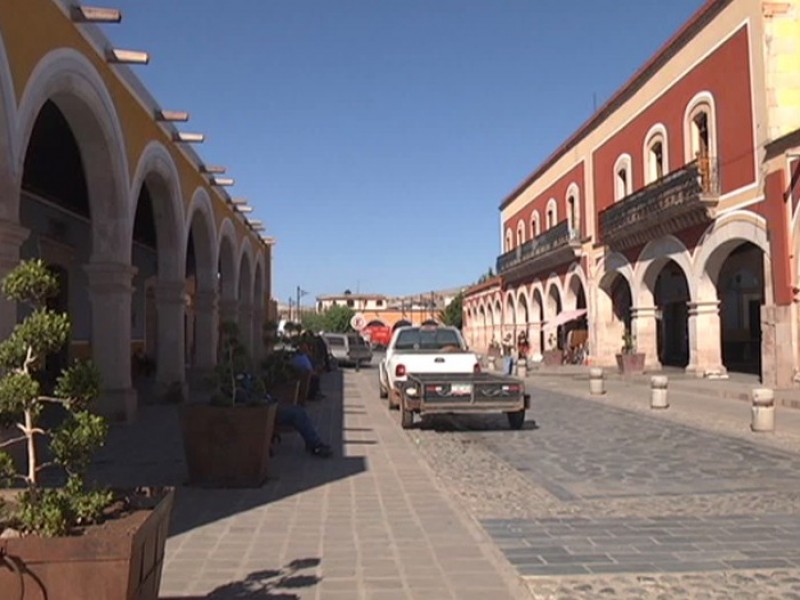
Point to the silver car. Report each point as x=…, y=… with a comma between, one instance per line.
x=348, y=349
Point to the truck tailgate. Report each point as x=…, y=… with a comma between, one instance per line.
x=443, y=362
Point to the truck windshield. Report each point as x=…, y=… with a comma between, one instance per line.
x=426, y=339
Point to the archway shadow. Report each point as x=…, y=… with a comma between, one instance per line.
x=149, y=452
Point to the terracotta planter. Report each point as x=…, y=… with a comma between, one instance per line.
x=552, y=358
x=227, y=446
x=120, y=559
x=631, y=364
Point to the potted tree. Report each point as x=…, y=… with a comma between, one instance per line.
x=226, y=441
x=76, y=540
x=553, y=355
x=629, y=361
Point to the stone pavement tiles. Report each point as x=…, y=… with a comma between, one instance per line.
x=597, y=500
x=371, y=522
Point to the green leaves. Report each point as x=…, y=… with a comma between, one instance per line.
x=453, y=312
x=74, y=442
x=79, y=384
x=31, y=282
x=7, y=471
x=43, y=332
x=18, y=391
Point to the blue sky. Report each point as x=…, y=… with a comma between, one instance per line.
x=376, y=138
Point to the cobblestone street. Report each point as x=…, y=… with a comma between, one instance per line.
x=602, y=500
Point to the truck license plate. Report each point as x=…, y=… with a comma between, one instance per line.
x=461, y=389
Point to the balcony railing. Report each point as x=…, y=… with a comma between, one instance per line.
x=679, y=200
x=541, y=252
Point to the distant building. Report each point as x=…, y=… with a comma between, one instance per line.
x=390, y=310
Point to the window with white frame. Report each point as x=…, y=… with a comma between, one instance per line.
x=551, y=217
x=536, y=225
x=623, y=178
x=520, y=233
x=700, y=135
x=509, y=240
x=656, y=157
x=573, y=208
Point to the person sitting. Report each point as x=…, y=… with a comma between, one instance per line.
x=302, y=362
x=286, y=415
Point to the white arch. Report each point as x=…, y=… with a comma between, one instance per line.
x=259, y=278
x=573, y=191
x=704, y=97
x=719, y=240
x=623, y=163
x=656, y=131
x=168, y=210
x=575, y=272
x=8, y=118
x=509, y=308
x=554, y=281
x=228, y=263
x=536, y=224
x=537, y=289
x=552, y=208
x=520, y=232
x=612, y=265
x=201, y=223
x=509, y=241
x=245, y=281
x=652, y=259
x=69, y=79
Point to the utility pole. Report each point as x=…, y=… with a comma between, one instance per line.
x=290, y=310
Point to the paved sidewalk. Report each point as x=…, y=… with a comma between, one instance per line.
x=718, y=406
x=370, y=523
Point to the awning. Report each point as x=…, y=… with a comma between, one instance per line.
x=565, y=316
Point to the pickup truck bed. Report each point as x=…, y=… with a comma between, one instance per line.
x=436, y=393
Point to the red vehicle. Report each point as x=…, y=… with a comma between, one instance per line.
x=378, y=333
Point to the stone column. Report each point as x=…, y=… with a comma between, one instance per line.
x=170, y=299
x=205, y=340
x=644, y=330
x=246, y=327
x=11, y=238
x=229, y=310
x=258, y=334
x=535, y=338
x=705, y=340
x=110, y=290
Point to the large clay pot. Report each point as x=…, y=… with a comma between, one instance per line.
x=227, y=446
x=119, y=559
x=631, y=364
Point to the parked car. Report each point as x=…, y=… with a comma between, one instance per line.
x=348, y=349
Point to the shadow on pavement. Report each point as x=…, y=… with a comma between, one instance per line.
x=265, y=585
x=150, y=452
x=454, y=423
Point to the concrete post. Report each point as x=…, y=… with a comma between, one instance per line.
x=658, y=391
x=522, y=368
x=597, y=382
x=763, y=410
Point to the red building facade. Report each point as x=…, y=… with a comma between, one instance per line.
x=666, y=222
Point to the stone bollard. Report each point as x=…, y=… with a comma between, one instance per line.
x=658, y=391
x=597, y=381
x=763, y=409
x=522, y=368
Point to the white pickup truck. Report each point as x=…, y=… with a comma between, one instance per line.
x=422, y=350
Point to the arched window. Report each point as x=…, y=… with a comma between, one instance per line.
x=656, y=155
x=520, y=232
x=551, y=217
x=536, y=225
x=700, y=135
x=623, y=178
x=509, y=240
x=574, y=208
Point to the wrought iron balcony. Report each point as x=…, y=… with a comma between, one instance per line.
x=557, y=245
x=679, y=200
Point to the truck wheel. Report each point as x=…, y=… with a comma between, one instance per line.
x=382, y=391
x=406, y=418
x=516, y=419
